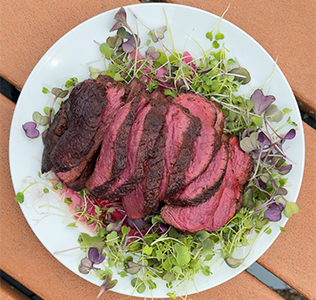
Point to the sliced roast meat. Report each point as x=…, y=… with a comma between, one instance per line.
x=143, y=135
x=227, y=204
x=112, y=159
x=192, y=218
x=54, y=132
x=91, y=107
x=208, y=143
x=205, y=185
x=182, y=130
x=145, y=198
x=80, y=183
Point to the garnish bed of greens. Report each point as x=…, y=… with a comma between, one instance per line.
x=148, y=249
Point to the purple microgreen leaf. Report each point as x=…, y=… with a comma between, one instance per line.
x=261, y=102
x=290, y=135
x=116, y=26
x=30, y=130
x=263, y=139
x=251, y=143
x=163, y=227
x=278, y=190
x=59, y=92
x=130, y=45
x=39, y=119
x=285, y=170
x=291, y=208
x=233, y=262
x=95, y=256
x=107, y=285
x=273, y=113
x=86, y=266
x=262, y=184
x=120, y=18
x=133, y=268
x=274, y=212
x=152, y=54
x=241, y=75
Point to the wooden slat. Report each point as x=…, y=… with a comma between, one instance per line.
x=292, y=256
x=8, y=292
x=285, y=29
x=30, y=28
x=25, y=259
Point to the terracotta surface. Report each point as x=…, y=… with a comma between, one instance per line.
x=24, y=258
x=8, y=292
x=286, y=29
x=292, y=256
x=30, y=28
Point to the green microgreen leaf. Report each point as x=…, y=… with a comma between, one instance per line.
x=219, y=36
x=39, y=119
x=45, y=90
x=291, y=208
x=46, y=110
x=233, y=262
x=209, y=35
x=45, y=190
x=19, y=197
x=106, y=50
x=68, y=201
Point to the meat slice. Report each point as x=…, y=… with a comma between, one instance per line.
x=143, y=135
x=145, y=198
x=208, y=143
x=54, y=132
x=112, y=159
x=205, y=185
x=226, y=208
x=182, y=130
x=80, y=183
x=192, y=218
x=91, y=106
x=238, y=171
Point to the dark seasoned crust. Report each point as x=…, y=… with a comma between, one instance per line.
x=182, y=130
x=145, y=198
x=206, y=185
x=209, y=142
x=54, y=132
x=91, y=108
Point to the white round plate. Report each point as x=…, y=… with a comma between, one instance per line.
x=70, y=56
